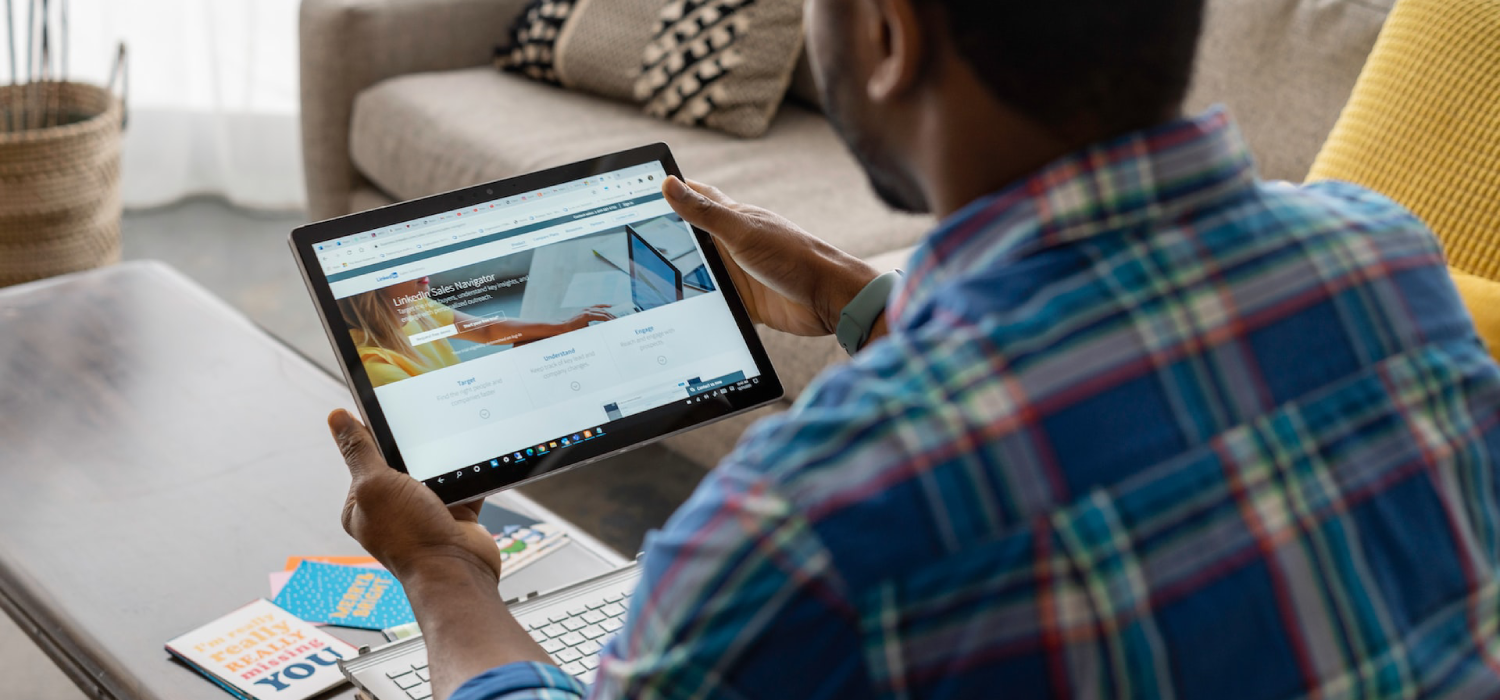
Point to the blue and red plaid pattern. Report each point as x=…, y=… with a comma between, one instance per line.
x=1144, y=427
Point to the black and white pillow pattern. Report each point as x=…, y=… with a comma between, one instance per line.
x=533, y=45
x=724, y=64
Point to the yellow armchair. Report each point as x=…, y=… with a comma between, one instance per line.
x=1482, y=296
x=1423, y=125
x=1423, y=128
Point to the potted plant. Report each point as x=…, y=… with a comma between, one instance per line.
x=59, y=154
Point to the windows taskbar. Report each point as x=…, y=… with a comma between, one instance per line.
x=522, y=456
x=702, y=401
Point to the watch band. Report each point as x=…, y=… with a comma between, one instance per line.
x=860, y=316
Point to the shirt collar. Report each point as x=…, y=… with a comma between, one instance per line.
x=1151, y=175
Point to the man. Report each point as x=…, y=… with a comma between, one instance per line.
x=1135, y=424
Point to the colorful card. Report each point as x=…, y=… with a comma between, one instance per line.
x=293, y=562
x=279, y=578
x=278, y=582
x=347, y=596
x=261, y=652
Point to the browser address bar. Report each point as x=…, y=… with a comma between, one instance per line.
x=486, y=222
x=451, y=229
x=376, y=276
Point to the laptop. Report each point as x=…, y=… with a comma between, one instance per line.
x=572, y=624
x=654, y=280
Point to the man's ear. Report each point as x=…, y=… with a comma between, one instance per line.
x=896, y=32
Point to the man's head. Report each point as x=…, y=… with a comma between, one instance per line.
x=894, y=73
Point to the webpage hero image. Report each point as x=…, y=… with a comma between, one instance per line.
x=488, y=332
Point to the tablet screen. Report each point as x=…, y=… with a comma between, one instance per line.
x=510, y=329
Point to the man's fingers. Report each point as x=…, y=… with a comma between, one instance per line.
x=467, y=512
x=710, y=192
x=704, y=207
x=355, y=443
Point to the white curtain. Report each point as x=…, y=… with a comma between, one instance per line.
x=213, y=94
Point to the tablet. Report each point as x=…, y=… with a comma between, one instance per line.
x=508, y=331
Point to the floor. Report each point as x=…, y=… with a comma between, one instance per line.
x=243, y=257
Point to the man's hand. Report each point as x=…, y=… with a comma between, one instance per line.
x=790, y=279
x=448, y=564
x=401, y=522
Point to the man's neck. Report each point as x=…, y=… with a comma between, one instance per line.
x=981, y=155
x=970, y=145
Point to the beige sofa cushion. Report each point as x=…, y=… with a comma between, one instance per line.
x=420, y=134
x=1285, y=68
x=367, y=198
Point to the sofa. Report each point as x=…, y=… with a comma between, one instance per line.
x=399, y=101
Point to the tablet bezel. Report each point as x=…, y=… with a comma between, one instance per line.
x=630, y=432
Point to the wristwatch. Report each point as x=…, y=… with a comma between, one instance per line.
x=860, y=316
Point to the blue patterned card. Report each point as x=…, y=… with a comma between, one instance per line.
x=346, y=596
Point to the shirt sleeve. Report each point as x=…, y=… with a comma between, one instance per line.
x=525, y=680
x=740, y=596
x=738, y=599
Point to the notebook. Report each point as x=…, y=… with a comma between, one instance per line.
x=347, y=596
x=261, y=651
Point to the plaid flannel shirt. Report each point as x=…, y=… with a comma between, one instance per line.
x=1144, y=426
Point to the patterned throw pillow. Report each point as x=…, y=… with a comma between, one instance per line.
x=533, y=40
x=591, y=46
x=724, y=64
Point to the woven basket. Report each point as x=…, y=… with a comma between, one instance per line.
x=60, y=186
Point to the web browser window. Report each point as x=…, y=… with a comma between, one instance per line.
x=513, y=328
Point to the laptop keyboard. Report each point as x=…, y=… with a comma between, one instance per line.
x=572, y=637
x=414, y=680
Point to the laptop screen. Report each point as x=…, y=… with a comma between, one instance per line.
x=653, y=280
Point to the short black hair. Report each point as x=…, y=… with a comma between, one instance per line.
x=1110, y=65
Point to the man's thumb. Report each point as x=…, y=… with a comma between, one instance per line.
x=355, y=443
x=699, y=209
